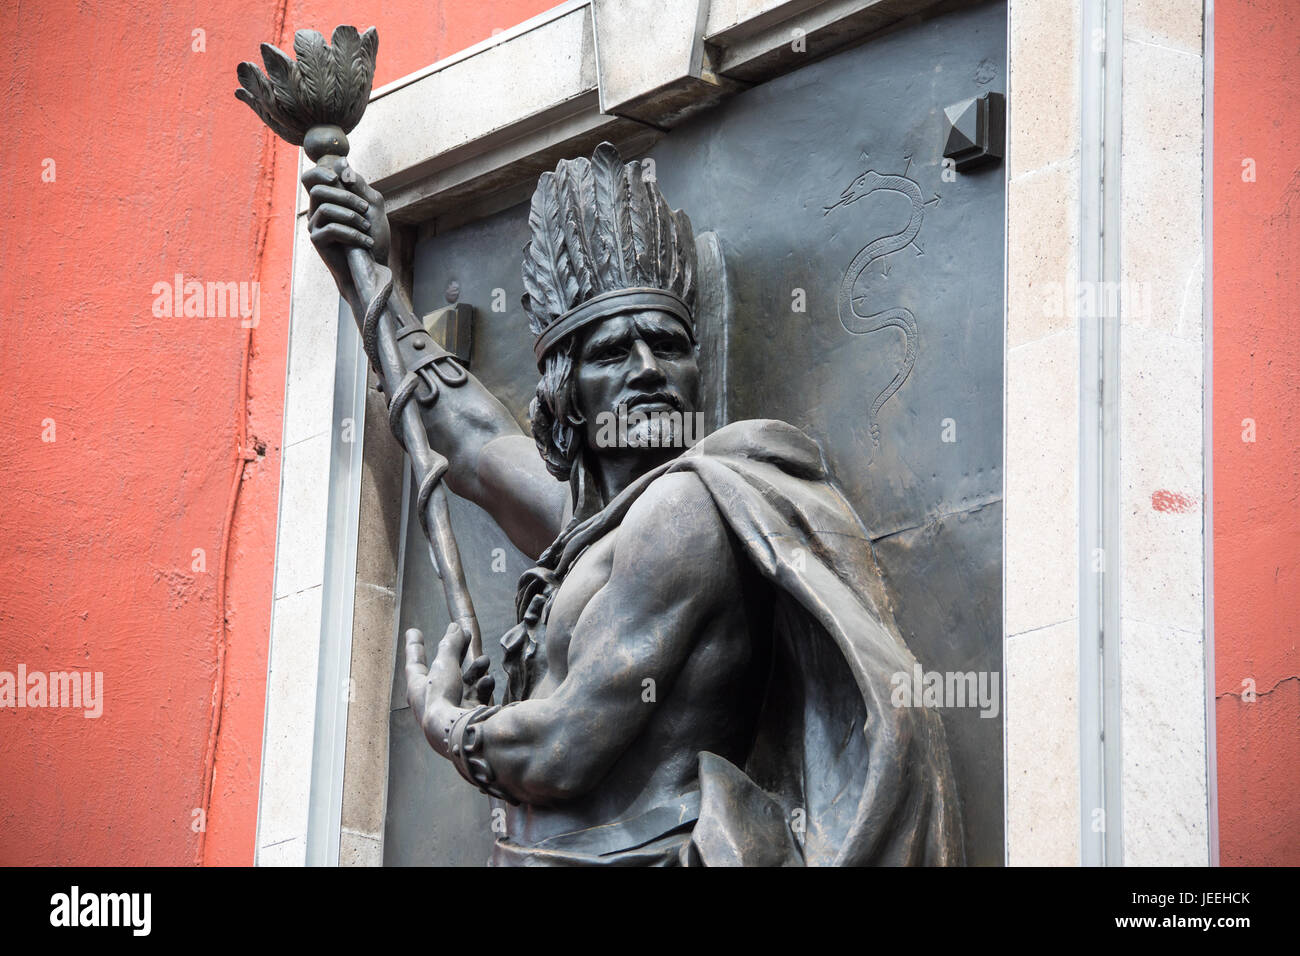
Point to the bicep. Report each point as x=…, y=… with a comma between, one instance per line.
x=522, y=497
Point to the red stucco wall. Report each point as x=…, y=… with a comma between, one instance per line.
x=166, y=431
x=1257, y=483
x=158, y=170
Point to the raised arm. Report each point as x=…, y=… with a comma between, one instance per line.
x=643, y=624
x=490, y=460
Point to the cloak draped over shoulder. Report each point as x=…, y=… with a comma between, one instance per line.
x=867, y=782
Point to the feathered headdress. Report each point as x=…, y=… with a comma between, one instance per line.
x=603, y=242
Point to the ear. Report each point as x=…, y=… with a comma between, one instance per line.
x=573, y=415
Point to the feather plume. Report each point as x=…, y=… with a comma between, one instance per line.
x=363, y=75
x=664, y=237
x=548, y=274
x=610, y=216
x=339, y=68
x=282, y=73
x=258, y=93
x=627, y=231
x=641, y=215
x=578, y=195
x=345, y=50
x=684, y=285
x=315, y=75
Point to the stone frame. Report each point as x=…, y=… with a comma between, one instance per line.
x=579, y=74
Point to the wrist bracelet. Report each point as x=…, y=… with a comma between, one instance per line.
x=465, y=750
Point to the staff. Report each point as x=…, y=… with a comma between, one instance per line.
x=314, y=103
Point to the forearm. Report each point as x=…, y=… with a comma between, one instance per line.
x=463, y=419
x=490, y=460
x=541, y=752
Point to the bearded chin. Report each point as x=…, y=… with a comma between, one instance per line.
x=657, y=431
x=648, y=434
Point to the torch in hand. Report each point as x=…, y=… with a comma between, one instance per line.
x=314, y=103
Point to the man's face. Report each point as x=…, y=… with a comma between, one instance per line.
x=644, y=362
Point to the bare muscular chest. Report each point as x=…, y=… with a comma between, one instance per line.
x=586, y=577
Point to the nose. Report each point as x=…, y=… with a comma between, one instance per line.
x=646, y=372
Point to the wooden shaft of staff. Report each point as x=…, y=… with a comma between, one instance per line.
x=428, y=464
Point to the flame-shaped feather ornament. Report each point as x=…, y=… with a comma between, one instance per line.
x=314, y=102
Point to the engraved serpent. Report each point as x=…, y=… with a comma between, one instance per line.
x=854, y=321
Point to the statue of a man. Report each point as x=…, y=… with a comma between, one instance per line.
x=701, y=672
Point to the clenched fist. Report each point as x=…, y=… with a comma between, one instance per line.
x=345, y=213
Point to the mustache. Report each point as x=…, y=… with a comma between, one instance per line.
x=671, y=399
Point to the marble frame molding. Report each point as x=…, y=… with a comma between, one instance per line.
x=579, y=74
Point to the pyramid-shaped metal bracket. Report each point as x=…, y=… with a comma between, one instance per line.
x=976, y=130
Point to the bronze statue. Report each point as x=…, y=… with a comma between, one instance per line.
x=700, y=673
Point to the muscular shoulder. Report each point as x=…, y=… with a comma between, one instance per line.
x=674, y=523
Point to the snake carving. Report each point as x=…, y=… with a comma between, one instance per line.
x=858, y=322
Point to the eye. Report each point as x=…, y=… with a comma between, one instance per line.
x=669, y=348
x=610, y=353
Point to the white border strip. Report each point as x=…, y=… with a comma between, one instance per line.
x=1101, y=93
x=1011, y=117
x=1207, y=324
x=338, y=593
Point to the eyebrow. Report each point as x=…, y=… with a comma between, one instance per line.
x=661, y=327
x=651, y=328
x=600, y=340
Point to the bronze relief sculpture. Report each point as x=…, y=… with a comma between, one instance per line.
x=701, y=669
